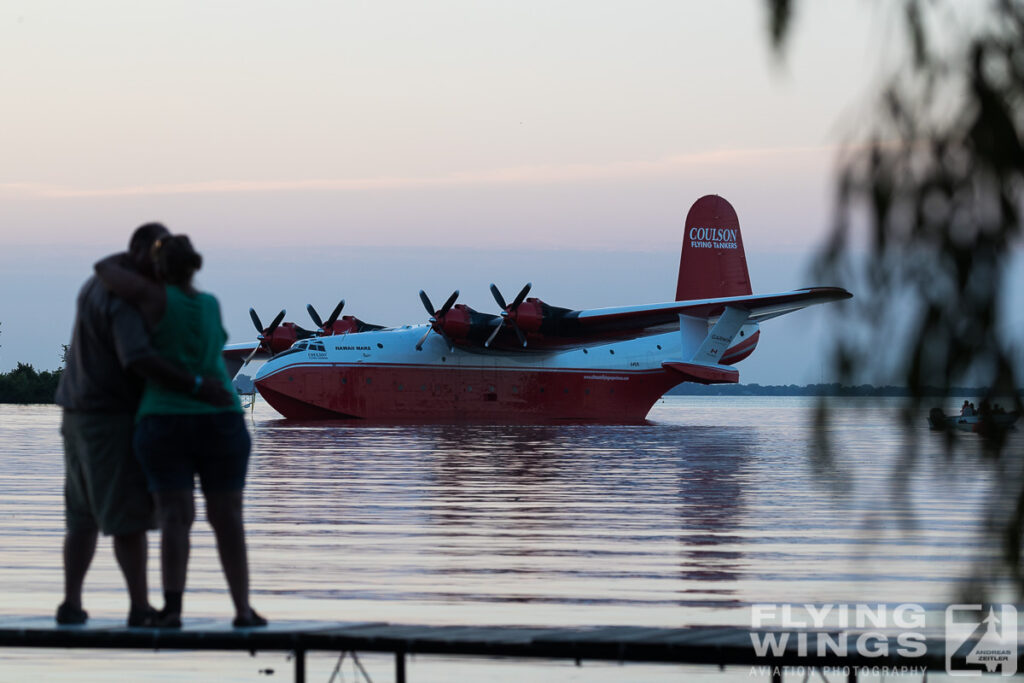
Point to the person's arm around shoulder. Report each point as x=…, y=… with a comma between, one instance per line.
x=136, y=354
x=117, y=274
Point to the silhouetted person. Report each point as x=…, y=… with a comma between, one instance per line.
x=104, y=488
x=179, y=437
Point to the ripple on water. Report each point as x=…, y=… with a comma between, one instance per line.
x=712, y=507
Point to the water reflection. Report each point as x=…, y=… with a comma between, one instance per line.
x=683, y=521
x=659, y=524
x=543, y=514
x=713, y=472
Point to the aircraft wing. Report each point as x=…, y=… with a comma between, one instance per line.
x=760, y=307
x=235, y=355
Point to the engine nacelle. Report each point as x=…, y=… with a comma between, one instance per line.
x=529, y=316
x=344, y=325
x=457, y=322
x=463, y=324
x=283, y=337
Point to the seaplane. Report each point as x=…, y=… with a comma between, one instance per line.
x=531, y=362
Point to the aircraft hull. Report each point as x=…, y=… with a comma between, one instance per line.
x=379, y=376
x=424, y=394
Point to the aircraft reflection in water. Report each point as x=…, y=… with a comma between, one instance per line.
x=533, y=363
x=711, y=500
x=569, y=506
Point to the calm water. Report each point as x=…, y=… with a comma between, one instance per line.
x=689, y=520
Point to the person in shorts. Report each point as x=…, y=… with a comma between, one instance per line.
x=99, y=391
x=179, y=437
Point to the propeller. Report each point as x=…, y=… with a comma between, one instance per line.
x=263, y=332
x=322, y=326
x=436, y=318
x=249, y=357
x=507, y=311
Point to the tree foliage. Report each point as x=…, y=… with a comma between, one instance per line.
x=25, y=385
x=933, y=188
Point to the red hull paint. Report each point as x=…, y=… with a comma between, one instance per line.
x=431, y=394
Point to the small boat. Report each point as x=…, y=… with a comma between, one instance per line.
x=977, y=423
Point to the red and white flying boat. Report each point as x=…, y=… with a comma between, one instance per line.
x=534, y=362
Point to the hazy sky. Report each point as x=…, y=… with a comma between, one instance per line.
x=318, y=150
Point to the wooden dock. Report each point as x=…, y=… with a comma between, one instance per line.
x=713, y=646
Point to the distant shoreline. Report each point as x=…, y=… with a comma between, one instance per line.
x=834, y=389
x=24, y=385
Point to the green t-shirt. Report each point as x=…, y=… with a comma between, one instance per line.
x=191, y=335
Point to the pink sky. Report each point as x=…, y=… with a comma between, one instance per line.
x=277, y=133
x=400, y=122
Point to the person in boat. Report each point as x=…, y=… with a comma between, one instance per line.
x=178, y=437
x=99, y=391
x=965, y=408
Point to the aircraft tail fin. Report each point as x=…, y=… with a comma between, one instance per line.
x=712, y=263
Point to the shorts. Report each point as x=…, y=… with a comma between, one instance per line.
x=104, y=487
x=173, y=449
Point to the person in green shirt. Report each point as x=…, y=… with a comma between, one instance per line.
x=178, y=436
x=99, y=392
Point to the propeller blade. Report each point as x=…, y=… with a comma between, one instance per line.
x=419, y=344
x=434, y=316
x=274, y=323
x=448, y=304
x=316, y=318
x=519, y=333
x=249, y=357
x=333, y=317
x=498, y=298
x=426, y=302
x=497, y=329
x=256, y=320
x=521, y=296
x=447, y=339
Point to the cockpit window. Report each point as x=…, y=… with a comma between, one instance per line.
x=301, y=346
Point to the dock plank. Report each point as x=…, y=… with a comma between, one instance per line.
x=694, y=645
x=607, y=634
